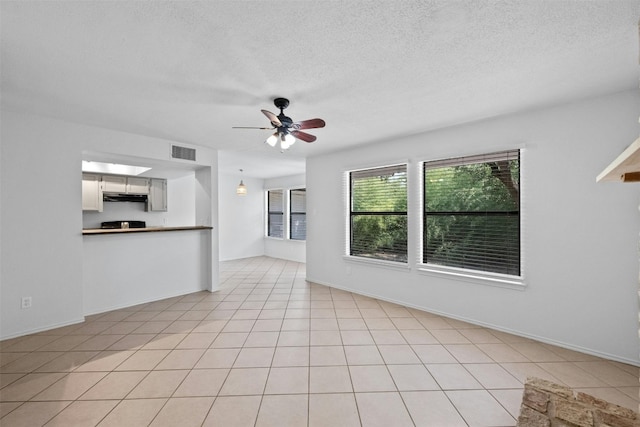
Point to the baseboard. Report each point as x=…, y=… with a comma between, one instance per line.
x=76, y=321
x=568, y=346
x=146, y=301
x=42, y=329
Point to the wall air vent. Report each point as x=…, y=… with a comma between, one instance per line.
x=184, y=153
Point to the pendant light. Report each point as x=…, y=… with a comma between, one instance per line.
x=242, y=189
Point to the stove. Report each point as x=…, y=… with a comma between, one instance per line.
x=124, y=224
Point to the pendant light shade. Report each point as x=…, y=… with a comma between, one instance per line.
x=241, y=190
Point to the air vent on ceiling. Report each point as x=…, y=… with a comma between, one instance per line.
x=184, y=153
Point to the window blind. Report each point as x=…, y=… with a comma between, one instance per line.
x=298, y=214
x=472, y=212
x=378, y=213
x=275, y=213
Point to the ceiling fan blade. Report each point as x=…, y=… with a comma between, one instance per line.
x=309, y=124
x=303, y=136
x=248, y=127
x=272, y=118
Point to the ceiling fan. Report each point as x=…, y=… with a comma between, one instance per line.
x=286, y=129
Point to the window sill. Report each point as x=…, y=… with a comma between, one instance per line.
x=377, y=262
x=478, y=277
x=282, y=239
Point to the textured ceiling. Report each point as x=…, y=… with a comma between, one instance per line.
x=189, y=71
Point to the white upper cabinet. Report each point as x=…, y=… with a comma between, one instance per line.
x=94, y=185
x=125, y=184
x=114, y=184
x=91, y=194
x=137, y=185
x=158, y=195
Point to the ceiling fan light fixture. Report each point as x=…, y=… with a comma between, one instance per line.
x=272, y=140
x=286, y=140
x=286, y=130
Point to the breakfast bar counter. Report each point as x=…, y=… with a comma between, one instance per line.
x=138, y=265
x=92, y=231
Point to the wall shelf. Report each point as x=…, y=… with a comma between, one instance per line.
x=625, y=168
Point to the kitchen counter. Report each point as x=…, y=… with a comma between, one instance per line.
x=92, y=231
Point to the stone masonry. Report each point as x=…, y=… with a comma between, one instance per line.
x=545, y=404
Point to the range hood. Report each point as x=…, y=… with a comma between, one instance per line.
x=119, y=197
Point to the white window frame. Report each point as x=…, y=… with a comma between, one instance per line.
x=289, y=213
x=516, y=282
x=267, y=214
x=402, y=265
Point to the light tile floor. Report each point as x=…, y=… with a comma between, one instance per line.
x=270, y=349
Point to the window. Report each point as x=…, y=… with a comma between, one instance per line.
x=472, y=213
x=378, y=213
x=275, y=220
x=298, y=214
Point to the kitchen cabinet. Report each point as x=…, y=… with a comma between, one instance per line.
x=137, y=185
x=114, y=184
x=125, y=184
x=91, y=193
x=157, y=195
x=94, y=186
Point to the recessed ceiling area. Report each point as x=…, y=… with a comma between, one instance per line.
x=155, y=168
x=113, y=168
x=189, y=71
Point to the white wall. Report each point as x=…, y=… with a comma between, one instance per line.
x=241, y=217
x=292, y=250
x=41, y=225
x=128, y=269
x=181, y=202
x=206, y=213
x=580, y=239
x=42, y=246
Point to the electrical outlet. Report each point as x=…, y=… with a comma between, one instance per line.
x=26, y=302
